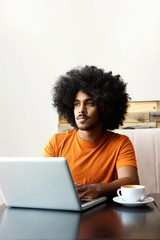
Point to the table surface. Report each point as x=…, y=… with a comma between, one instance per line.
x=108, y=220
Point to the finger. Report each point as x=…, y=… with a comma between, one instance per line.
x=81, y=188
x=85, y=195
x=78, y=184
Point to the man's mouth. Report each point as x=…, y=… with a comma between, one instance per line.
x=82, y=116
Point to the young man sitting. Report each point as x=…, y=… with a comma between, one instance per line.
x=94, y=102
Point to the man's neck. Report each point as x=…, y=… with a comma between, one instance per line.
x=92, y=135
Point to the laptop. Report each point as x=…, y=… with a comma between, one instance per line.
x=30, y=182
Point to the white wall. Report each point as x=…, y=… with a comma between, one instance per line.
x=41, y=39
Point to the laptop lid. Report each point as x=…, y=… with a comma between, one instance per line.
x=39, y=183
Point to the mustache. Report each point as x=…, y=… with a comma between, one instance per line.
x=82, y=115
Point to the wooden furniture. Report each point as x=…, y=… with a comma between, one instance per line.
x=113, y=221
x=144, y=114
x=106, y=221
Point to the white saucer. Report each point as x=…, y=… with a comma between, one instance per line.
x=132, y=204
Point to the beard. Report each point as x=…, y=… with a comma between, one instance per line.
x=87, y=127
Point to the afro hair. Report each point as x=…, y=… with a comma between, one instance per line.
x=108, y=92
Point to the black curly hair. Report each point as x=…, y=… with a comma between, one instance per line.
x=108, y=92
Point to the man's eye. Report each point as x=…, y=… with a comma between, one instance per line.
x=76, y=104
x=90, y=103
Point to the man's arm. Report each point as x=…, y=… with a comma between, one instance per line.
x=126, y=175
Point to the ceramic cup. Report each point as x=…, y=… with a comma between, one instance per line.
x=132, y=193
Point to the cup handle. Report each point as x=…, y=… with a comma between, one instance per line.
x=141, y=199
x=119, y=193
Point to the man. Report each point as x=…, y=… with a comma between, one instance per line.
x=100, y=160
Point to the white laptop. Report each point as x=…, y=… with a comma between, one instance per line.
x=40, y=183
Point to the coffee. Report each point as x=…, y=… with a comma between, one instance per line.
x=132, y=193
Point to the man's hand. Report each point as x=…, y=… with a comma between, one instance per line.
x=87, y=191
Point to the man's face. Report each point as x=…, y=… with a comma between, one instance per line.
x=85, y=112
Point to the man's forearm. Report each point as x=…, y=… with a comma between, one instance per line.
x=110, y=189
x=126, y=175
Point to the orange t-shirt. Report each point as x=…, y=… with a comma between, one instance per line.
x=92, y=162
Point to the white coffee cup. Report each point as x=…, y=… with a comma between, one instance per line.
x=132, y=193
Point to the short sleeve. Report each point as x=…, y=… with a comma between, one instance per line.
x=126, y=154
x=49, y=148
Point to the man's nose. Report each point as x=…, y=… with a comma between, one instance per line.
x=82, y=109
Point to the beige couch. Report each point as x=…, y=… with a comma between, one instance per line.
x=147, y=147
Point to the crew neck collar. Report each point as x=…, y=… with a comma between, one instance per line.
x=91, y=143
